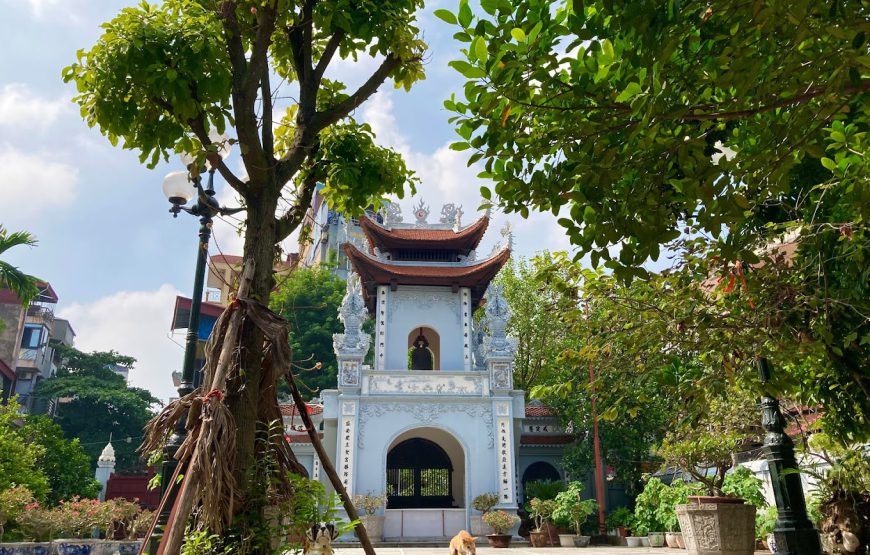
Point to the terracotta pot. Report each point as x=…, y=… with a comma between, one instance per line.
x=717, y=526
x=538, y=539
x=499, y=540
x=681, y=543
x=622, y=531
x=671, y=540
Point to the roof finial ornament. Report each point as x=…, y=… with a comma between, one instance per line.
x=392, y=214
x=421, y=212
x=451, y=215
x=507, y=231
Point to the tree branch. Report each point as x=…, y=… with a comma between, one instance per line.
x=267, y=132
x=326, y=57
x=290, y=220
x=266, y=17
x=342, y=109
x=197, y=125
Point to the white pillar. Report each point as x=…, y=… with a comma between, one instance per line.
x=105, y=468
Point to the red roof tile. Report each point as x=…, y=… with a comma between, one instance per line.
x=423, y=238
x=529, y=439
x=539, y=411
x=291, y=410
x=230, y=259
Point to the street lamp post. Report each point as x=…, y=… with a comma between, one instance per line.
x=794, y=533
x=180, y=187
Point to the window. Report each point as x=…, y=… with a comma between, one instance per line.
x=31, y=337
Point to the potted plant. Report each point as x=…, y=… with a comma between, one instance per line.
x=120, y=523
x=13, y=502
x=618, y=521
x=483, y=503
x=38, y=525
x=501, y=523
x=649, y=509
x=637, y=533
x=541, y=511
x=573, y=510
x=765, y=521
x=371, y=504
x=76, y=522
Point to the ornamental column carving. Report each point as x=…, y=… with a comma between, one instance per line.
x=351, y=346
x=498, y=348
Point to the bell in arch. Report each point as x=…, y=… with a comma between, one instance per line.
x=421, y=357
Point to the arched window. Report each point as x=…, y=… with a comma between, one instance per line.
x=424, y=349
x=419, y=476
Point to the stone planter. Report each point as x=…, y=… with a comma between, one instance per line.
x=75, y=547
x=479, y=527
x=374, y=527
x=499, y=540
x=656, y=539
x=634, y=541
x=566, y=540
x=582, y=541
x=717, y=526
x=126, y=547
x=25, y=548
x=538, y=539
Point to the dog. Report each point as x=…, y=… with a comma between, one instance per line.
x=319, y=538
x=463, y=544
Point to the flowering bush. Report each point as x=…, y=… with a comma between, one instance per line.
x=541, y=511
x=500, y=521
x=13, y=502
x=140, y=525
x=78, y=517
x=39, y=524
x=369, y=503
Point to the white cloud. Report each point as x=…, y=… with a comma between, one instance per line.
x=32, y=184
x=134, y=323
x=22, y=108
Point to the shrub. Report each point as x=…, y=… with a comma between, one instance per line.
x=543, y=489
x=369, y=503
x=765, y=521
x=571, y=509
x=12, y=504
x=619, y=517
x=78, y=517
x=39, y=524
x=743, y=484
x=676, y=494
x=646, y=507
x=541, y=510
x=485, y=502
x=500, y=521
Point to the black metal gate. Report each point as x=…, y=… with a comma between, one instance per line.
x=419, y=476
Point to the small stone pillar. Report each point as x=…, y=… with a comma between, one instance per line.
x=352, y=345
x=105, y=468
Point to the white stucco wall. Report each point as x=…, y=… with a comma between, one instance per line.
x=412, y=307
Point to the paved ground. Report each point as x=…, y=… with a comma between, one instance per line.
x=600, y=550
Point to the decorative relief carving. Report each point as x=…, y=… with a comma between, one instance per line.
x=348, y=408
x=392, y=214
x=349, y=375
x=500, y=375
x=428, y=384
x=451, y=214
x=727, y=528
x=425, y=414
x=502, y=409
x=405, y=300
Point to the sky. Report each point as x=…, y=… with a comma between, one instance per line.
x=107, y=243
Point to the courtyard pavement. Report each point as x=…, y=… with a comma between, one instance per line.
x=524, y=550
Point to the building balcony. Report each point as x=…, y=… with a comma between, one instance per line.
x=40, y=314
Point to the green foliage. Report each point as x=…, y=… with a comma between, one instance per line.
x=649, y=503
x=543, y=489
x=309, y=299
x=743, y=484
x=19, y=460
x=540, y=337
x=311, y=504
x=641, y=120
x=64, y=461
x=541, y=511
x=23, y=285
x=484, y=502
x=765, y=521
x=13, y=504
x=676, y=494
x=572, y=509
x=618, y=517
x=97, y=402
x=500, y=521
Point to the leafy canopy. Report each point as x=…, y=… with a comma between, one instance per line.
x=638, y=121
x=94, y=402
x=19, y=460
x=12, y=278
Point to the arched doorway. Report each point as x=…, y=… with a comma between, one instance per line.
x=425, y=470
x=424, y=349
x=537, y=471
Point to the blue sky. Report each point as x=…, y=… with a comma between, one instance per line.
x=107, y=244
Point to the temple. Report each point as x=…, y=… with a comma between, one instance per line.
x=425, y=409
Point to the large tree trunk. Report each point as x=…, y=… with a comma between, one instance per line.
x=243, y=399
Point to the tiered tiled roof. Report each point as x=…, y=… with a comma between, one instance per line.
x=539, y=411
x=477, y=275
x=387, y=239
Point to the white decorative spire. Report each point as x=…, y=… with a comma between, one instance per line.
x=352, y=314
x=107, y=457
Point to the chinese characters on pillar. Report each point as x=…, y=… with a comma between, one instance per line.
x=505, y=462
x=315, y=470
x=346, y=445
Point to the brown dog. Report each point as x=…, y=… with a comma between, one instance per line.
x=463, y=544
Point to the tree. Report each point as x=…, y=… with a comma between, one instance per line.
x=18, y=459
x=645, y=121
x=309, y=299
x=23, y=285
x=94, y=403
x=64, y=461
x=540, y=337
x=161, y=77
